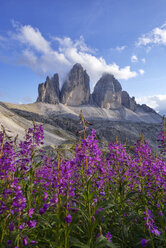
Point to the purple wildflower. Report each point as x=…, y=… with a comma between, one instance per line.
x=144, y=242
x=30, y=212
x=109, y=236
x=9, y=242
x=31, y=223
x=68, y=218
x=25, y=242
x=11, y=226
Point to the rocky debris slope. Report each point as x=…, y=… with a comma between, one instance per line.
x=90, y=112
x=61, y=123
x=15, y=123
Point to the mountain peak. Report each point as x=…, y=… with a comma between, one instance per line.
x=75, y=91
x=107, y=92
x=77, y=66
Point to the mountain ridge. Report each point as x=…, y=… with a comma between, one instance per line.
x=107, y=93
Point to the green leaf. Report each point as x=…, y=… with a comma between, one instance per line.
x=129, y=195
x=103, y=242
x=76, y=243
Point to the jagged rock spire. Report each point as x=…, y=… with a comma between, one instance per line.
x=49, y=91
x=76, y=89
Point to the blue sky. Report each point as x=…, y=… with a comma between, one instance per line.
x=123, y=37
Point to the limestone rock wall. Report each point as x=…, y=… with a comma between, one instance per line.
x=107, y=92
x=76, y=89
x=49, y=91
x=128, y=102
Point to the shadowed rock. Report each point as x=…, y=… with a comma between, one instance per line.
x=49, y=91
x=107, y=92
x=76, y=89
x=128, y=102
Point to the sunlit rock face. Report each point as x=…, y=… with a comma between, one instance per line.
x=107, y=92
x=76, y=90
x=48, y=92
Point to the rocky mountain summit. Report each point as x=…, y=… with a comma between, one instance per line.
x=76, y=90
x=107, y=94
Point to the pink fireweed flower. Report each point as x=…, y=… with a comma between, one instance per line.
x=31, y=223
x=30, y=212
x=150, y=224
x=109, y=236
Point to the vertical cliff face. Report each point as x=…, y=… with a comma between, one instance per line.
x=76, y=90
x=128, y=102
x=107, y=92
x=49, y=91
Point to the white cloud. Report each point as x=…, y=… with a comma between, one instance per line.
x=143, y=60
x=157, y=102
x=120, y=48
x=32, y=37
x=134, y=59
x=38, y=53
x=155, y=37
x=141, y=71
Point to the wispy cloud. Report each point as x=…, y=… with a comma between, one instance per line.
x=143, y=60
x=141, y=71
x=37, y=52
x=157, y=36
x=134, y=59
x=120, y=48
x=157, y=102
